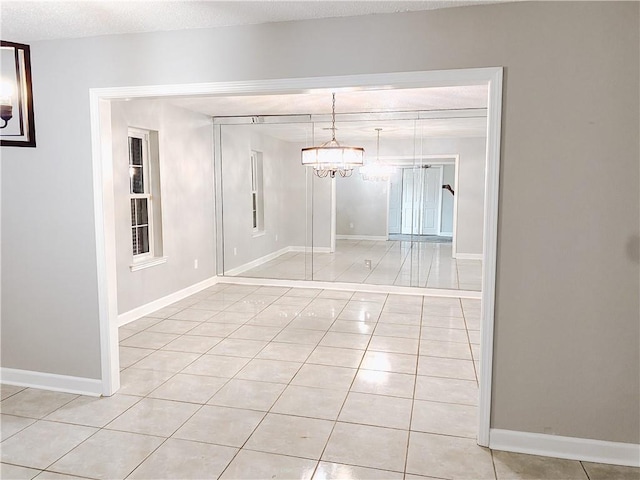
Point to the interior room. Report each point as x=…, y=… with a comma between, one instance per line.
x=196, y=292
x=303, y=227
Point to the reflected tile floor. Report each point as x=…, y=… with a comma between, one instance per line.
x=401, y=263
x=249, y=382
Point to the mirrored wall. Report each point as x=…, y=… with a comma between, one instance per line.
x=418, y=225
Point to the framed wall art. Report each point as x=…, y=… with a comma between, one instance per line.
x=17, y=127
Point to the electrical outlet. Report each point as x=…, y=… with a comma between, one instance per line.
x=350, y=224
x=276, y=237
x=367, y=263
x=195, y=264
x=235, y=251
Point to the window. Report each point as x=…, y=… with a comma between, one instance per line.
x=144, y=196
x=257, y=193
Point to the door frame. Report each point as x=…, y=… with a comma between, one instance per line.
x=435, y=160
x=102, y=169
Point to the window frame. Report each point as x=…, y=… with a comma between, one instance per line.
x=143, y=135
x=257, y=193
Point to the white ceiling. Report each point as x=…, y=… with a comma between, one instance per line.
x=453, y=108
x=364, y=132
x=355, y=101
x=27, y=21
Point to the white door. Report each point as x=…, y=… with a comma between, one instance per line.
x=395, y=201
x=421, y=198
x=430, y=200
x=409, y=218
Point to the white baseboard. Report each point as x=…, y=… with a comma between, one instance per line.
x=51, y=381
x=151, y=307
x=468, y=256
x=258, y=261
x=272, y=256
x=446, y=234
x=572, y=448
x=362, y=237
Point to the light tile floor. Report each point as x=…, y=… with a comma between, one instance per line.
x=402, y=263
x=244, y=382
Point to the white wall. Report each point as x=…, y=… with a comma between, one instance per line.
x=566, y=352
x=321, y=212
x=361, y=207
x=186, y=175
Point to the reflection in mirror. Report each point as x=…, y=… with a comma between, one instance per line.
x=406, y=230
x=264, y=198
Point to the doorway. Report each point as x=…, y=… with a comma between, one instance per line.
x=104, y=200
x=421, y=202
x=421, y=199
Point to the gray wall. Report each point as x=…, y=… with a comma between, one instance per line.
x=186, y=178
x=567, y=354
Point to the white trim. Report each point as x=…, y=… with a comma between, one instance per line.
x=386, y=223
x=257, y=262
x=51, y=381
x=572, y=448
x=490, y=253
x=152, y=262
x=454, y=234
x=104, y=213
x=440, y=180
x=357, y=82
x=165, y=301
x=365, y=237
x=334, y=214
x=104, y=198
x=468, y=256
x=354, y=117
x=352, y=287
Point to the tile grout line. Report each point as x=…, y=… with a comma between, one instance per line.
x=335, y=422
x=274, y=403
x=473, y=362
x=415, y=386
x=201, y=407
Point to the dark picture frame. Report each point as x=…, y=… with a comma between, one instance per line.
x=17, y=127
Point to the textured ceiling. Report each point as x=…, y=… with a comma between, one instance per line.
x=26, y=21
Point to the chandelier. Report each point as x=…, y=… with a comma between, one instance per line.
x=331, y=157
x=376, y=172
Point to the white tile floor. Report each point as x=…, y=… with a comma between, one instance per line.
x=411, y=264
x=243, y=382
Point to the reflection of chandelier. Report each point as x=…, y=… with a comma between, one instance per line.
x=376, y=172
x=331, y=157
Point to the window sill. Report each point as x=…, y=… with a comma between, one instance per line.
x=152, y=262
